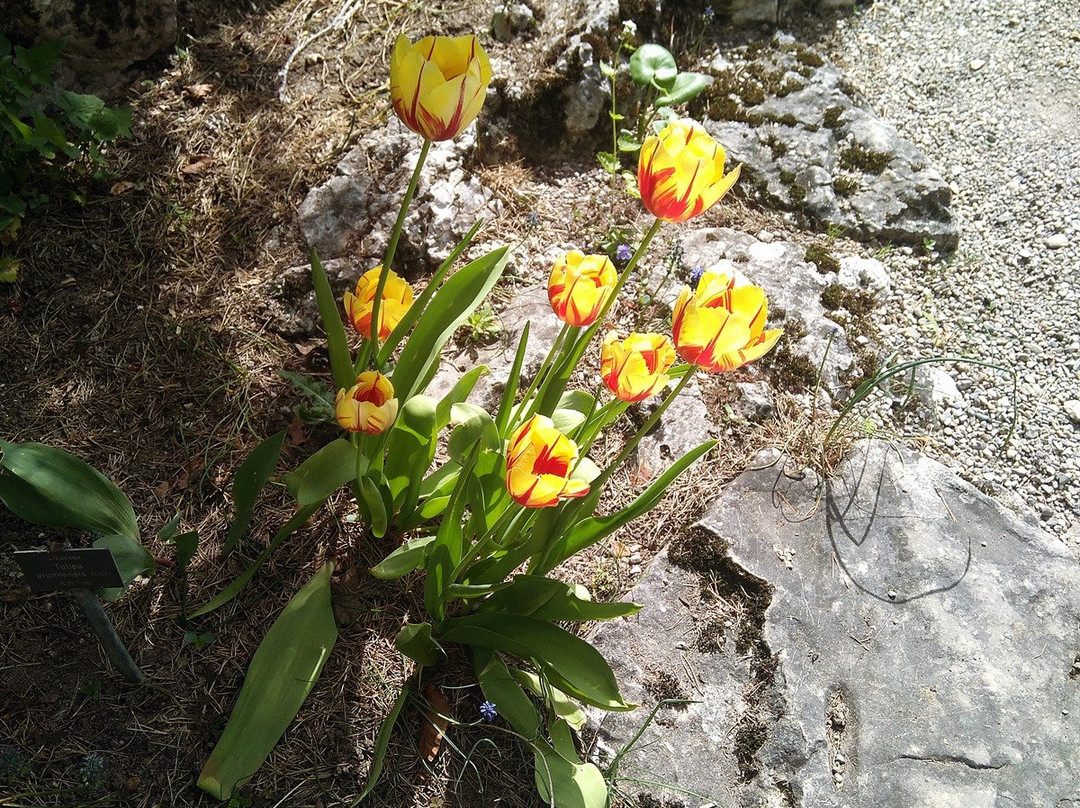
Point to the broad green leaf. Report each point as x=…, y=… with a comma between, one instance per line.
x=506, y=401
x=410, y=449
x=421, y=303
x=323, y=473
x=569, y=662
x=132, y=559
x=506, y=694
x=449, y=308
x=566, y=421
x=249, y=481
x=686, y=87
x=39, y=60
x=407, y=558
x=446, y=552
x=458, y=393
x=591, y=530
x=549, y=599
x=80, y=109
x=9, y=270
x=284, y=669
x=414, y=641
x=653, y=65
x=565, y=784
x=564, y=706
x=585, y=470
x=51, y=487
x=237, y=585
x=168, y=530
x=336, y=343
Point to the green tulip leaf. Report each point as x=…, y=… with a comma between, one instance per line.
x=473, y=427
x=284, y=669
x=549, y=599
x=506, y=402
x=414, y=641
x=449, y=308
x=653, y=66
x=458, y=393
x=323, y=473
x=248, y=483
x=565, y=708
x=567, y=784
x=569, y=662
x=132, y=559
x=407, y=558
x=501, y=689
x=410, y=449
x=337, y=345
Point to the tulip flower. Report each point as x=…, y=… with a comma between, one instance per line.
x=721, y=325
x=368, y=406
x=396, y=298
x=579, y=285
x=539, y=461
x=635, y=368
x=681, y=172
x=437, y=85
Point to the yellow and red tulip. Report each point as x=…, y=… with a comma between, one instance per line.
x=635, y=368
x=579, y=285
x=368, y=406
x=681, y=172
x=397, y=296
x=437, y=85
x=539, y=462
x=721, y=325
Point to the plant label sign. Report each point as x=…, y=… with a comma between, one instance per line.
x=85, y=568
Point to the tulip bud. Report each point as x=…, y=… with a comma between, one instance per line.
x=579, y=285
x=368, y=406
x=437, y=85
x=681, y=172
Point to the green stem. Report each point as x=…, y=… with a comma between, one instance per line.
x=554, y=351
x=388, y=257
x=645, y=429
x=547, y=405
x=507, y=520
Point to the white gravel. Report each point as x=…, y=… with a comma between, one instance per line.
x=990, y=89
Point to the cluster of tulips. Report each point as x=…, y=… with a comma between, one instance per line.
x=437, y=87
x=517, y=494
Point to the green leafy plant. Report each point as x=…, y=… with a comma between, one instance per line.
x=40, y=146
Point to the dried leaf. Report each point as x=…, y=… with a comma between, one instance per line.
x=120, y=187
x=197, y=164
x=199, y=91
x=641, y=474
x=436, y=720
x=161, y=490
x=297, y=433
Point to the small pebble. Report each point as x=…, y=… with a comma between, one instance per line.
x=977, y=64
x=1057, y=241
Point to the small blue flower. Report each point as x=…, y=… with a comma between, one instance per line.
x=709, y=13
x=623, y=253
x=488, y=712
x=695, y=276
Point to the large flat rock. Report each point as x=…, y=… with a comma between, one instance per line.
x=925, y=643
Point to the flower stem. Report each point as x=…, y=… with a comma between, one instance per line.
x=550, y=398
x=391, y=249
x=631, y=444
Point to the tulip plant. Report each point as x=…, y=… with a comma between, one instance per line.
x=518, y=494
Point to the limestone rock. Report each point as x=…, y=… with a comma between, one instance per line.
x=683, y=426
x=922, y=641
x=809, y=146
x=355, y=209
x=290, y=299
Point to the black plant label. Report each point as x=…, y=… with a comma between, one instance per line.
x=85, y=568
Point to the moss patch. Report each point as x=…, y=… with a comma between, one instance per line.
x=819, y=255
x=856, y=158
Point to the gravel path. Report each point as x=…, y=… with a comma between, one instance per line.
x=991, y=90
